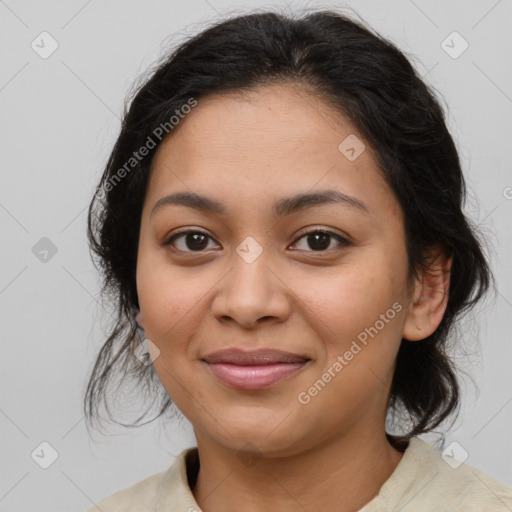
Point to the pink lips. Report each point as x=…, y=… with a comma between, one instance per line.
x=256, y=369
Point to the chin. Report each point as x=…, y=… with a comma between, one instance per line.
x=261, y=437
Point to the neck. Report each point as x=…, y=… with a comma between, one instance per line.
x=342, y=475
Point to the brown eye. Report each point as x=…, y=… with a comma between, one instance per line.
x=316, y=240
x=320, y=240
x=189, y=241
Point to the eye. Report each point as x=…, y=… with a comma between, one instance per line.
x=320, y=240
x=194, y=240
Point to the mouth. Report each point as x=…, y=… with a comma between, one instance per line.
x=256, y=369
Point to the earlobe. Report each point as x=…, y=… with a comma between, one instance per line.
x=138, y=318
x=430, y=297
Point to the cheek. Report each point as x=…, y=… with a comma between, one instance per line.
x=171, y=305
x=342, y=300
x=168, y=307
x=166, y=296
x=355, y=304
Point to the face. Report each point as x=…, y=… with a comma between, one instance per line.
x=321, y=279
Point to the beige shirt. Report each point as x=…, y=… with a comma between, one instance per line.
x=422, y=481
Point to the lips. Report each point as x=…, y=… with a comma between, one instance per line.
x=255, y=357
x=256, y=369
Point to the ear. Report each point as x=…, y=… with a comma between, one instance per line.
x=430, y=296
x=138, y=318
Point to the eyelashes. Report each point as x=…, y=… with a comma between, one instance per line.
x=324, y=233
x=176, y=236
x=312, y=236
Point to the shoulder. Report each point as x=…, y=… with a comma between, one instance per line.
x=135, y=498
x=168, y=487
x=444, y=481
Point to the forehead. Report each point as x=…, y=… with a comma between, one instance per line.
x=269, y=143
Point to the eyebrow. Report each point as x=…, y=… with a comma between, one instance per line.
x=281, y=208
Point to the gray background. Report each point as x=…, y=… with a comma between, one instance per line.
x=59, y=120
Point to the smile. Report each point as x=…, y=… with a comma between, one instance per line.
x=254, y=370
x=254, y=377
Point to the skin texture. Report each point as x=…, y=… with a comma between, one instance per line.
x=247, y=152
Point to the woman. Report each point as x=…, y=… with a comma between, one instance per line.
x=281, y=224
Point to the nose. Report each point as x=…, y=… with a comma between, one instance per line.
x=251, y=294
